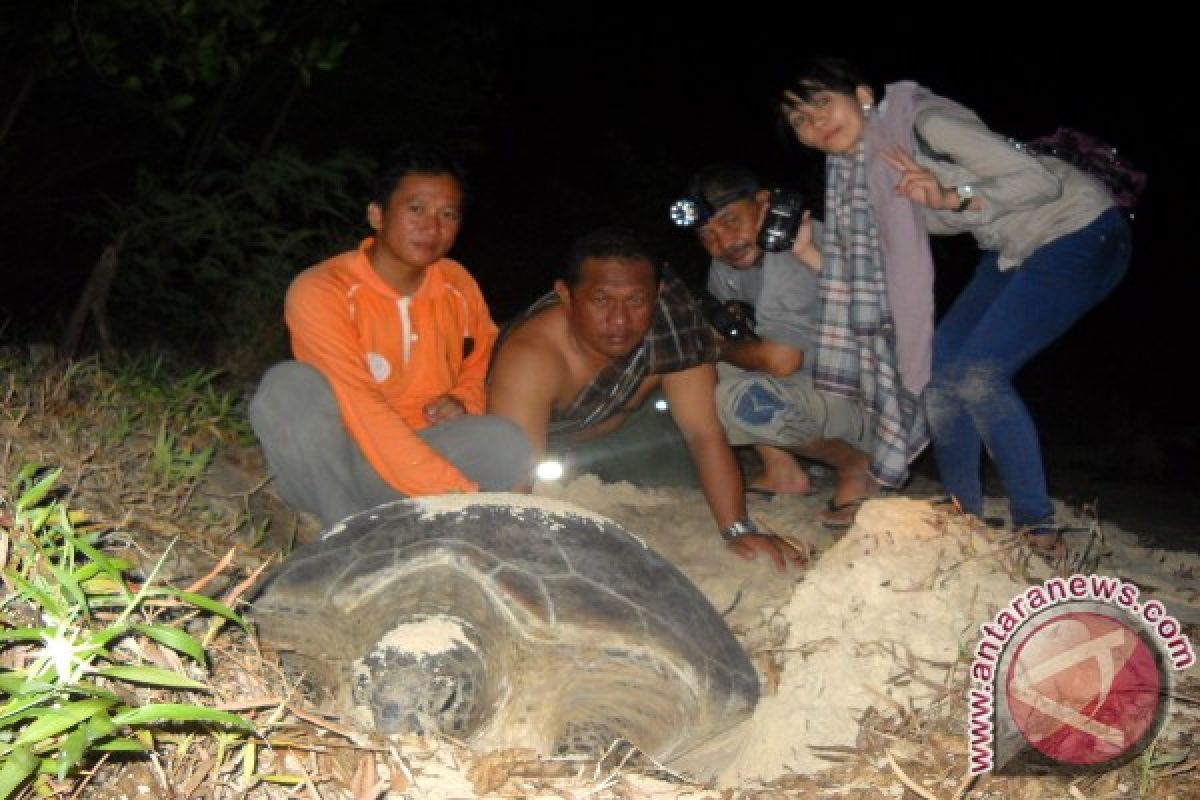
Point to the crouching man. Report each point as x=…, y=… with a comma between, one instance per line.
x=617, y=326
x=392, y=340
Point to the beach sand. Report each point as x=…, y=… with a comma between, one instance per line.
x=887, y=616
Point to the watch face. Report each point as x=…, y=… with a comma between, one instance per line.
x=966, y=191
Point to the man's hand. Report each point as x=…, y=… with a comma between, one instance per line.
x=779, y=549
x=442, y=408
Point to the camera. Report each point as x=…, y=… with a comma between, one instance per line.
x=734, y=320
x=785, y=212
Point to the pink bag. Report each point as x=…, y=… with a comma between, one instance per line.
x=1095, y=157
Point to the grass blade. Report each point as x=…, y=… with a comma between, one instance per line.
x=152, y=676
x=71, y=752
x=123, y=745
x=52, y=723
x=47, y=603
x=175, y=639
x=19, y=682
x=20, y=765
x=23, y=634
x=36, y=492
x=176, y=712
x=213, y=607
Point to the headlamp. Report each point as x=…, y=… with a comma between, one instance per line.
x=690, y=212
x=695, y=212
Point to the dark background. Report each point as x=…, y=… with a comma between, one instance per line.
x=567, y=120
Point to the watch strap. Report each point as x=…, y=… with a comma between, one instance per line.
x=743, y=527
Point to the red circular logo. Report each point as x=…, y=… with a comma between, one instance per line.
x=1083, y=688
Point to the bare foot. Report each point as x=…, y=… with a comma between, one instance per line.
x=854, y=482
x=854, y=486
x=781, y=474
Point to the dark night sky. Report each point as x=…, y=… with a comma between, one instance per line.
x=599, y=115
x=675, y=94
x=624, y=108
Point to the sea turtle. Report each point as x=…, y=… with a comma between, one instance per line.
x=508, y=620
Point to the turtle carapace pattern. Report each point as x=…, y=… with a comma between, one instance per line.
x=506, y=621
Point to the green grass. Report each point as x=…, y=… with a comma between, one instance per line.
x=74, y=635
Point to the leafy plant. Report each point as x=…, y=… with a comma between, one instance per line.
x=1151, y=763
x=75, y=634
x=206, y=256
x=175, y=461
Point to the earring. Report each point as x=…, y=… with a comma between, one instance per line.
x=866, y=108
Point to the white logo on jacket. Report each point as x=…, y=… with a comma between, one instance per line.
x=379, y=366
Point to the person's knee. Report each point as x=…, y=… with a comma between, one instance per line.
x=758, y=409
x=510, y=453
x=941, y=404
x=490, y=450
x=286, y=390
x=973, y=384
x=749, y=401
x=294, y=407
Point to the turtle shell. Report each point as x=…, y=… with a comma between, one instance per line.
x=506, y=620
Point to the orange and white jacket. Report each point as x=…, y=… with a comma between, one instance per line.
x=386, y=356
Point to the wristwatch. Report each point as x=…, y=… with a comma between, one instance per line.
x=965, y=192
x=743, y=527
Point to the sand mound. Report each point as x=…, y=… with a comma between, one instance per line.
x=885, y=618
x=880, y=620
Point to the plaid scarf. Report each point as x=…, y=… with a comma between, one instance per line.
x=679, y=339
x=855, y=354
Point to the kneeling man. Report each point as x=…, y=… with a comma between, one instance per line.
x=617, y=326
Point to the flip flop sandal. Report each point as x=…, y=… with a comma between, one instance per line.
x=1047, y=542
x=945, y=503
x=758, y=491
x=833, y=515
x=949, y=505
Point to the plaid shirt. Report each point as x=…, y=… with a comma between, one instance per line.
x=855, y=354
x=679, y=339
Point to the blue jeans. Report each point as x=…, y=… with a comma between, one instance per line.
x=1001, y=320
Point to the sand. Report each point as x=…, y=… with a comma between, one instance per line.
x=884, y=617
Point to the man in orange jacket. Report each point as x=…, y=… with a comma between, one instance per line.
x=392, y=341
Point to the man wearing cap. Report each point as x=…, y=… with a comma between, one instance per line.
x=766, y=396
x=617, y=326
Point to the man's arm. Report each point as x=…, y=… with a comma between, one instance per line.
x=522, y=386
x=690, y=398
x=763, y=355
x=469, y=389
x=690, y=395
x=323, y=336
x=778, y=349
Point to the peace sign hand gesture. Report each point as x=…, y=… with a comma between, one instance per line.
x=919, y=184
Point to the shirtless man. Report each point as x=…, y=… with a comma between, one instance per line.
x=616, y=327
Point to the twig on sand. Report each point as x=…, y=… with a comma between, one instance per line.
x=964, y=785
x=907, y=781
x=200, y=583
x=737, y=598
x=317, y=721
x=615, y=773
x=87, y=777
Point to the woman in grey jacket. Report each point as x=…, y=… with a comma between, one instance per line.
x=1053, y=246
